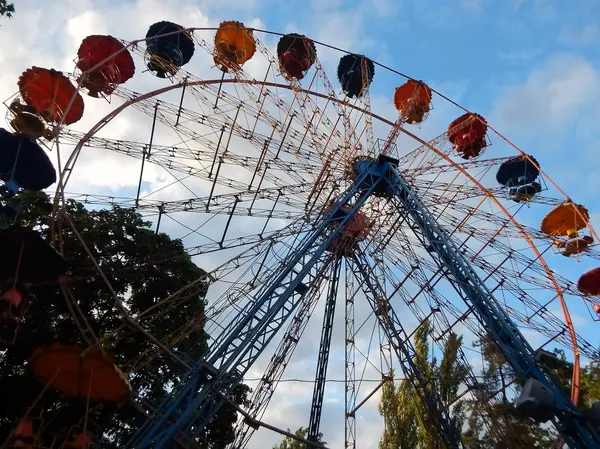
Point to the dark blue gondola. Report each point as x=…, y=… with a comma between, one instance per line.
x=519, y=174
x=28, y=258
x=517, y=171
x=168, y=53
x=350, y=74
x=23, y=163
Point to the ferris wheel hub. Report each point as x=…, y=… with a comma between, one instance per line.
x=373, y=171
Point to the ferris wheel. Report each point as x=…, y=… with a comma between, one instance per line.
x=310, y=213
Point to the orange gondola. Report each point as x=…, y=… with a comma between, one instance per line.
x=82, y=373
x=52, y=95
x=468, y=135
x=234, y=45
x=413, y=101
x=296, y=54
x=589, y=282
x=565, y=220
x=574, y=246
x=116, y=64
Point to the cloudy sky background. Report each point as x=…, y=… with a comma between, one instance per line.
x=530, y=66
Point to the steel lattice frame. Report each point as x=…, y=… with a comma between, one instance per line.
x=297, y=160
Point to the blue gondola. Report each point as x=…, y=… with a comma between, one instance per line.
x=350, y=74
x=168, y=53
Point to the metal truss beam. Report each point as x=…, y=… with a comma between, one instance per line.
x=222, y=367
x=264, y=391
x=232, y=353
x=323, y=361
x=574, y=428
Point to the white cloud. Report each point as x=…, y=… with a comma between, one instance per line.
x=552, y=98
x=472, y=5
x=579, y=36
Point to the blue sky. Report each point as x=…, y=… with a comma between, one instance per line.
x=532, y=67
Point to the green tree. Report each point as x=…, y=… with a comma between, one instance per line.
x=408, y=424
x=496, y=424
x=6, y=9
x=589, y=379
x=291, y=443
x=401, y=425
x=143, y=267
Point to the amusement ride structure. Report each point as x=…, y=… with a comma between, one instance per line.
x=302, y=199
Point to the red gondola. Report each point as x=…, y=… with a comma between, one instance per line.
x=116, y=64
x=52, y=95
x=589, y=282
x=296, y=54
x=467, y=134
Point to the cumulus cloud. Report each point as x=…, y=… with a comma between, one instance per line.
x=560, y=92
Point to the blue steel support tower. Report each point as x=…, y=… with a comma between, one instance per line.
x=191, y=407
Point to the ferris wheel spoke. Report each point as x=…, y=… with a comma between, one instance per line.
x=422, y=156
x=513, y=292
x=216, y=121
x=468, y=219
x=307, y=102
x=349, y=138
x=181, y=158
x=441, y=313
x=314, y=129
x=451, y=192
x=301, y=103
x=242, y=203
x=458, y=166
x=292, y=137
x=367, y=127
x=236, y=242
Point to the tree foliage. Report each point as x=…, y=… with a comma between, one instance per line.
x=408, y=424
x=496, y=424
x=292, y=443
x=6, y=9
x=491, y=424
x=143, y=268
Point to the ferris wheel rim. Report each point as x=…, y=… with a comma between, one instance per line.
x=457, y=166
x=69, y=165
x=134, y=43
